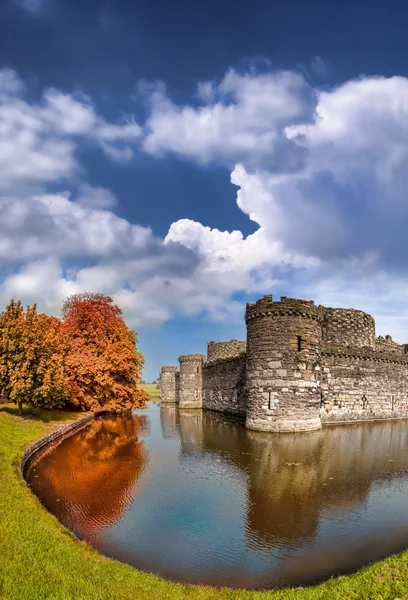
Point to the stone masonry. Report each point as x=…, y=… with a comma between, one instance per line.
x=301, y=365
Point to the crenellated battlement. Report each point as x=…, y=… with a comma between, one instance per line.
x=191, y=358
x=267, y=307
x=301, y=365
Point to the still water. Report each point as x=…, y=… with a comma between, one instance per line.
x=196, y=497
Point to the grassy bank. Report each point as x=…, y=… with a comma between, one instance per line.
x=151, y=389
x=41, y=560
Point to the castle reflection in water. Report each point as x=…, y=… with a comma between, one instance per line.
x=195, y=496
x=293, y=478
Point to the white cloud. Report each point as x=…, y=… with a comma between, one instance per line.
x=322, y=173
x=242, y=120
x=10, y=82
x=38, y=141
x=95, y=197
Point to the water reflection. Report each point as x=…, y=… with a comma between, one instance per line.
x=169, y=420
x=88, y=480
x=221, y=505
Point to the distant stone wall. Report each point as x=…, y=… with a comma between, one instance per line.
x=388, y=343
x=359, y=385
x=225, y=349
x=348, y=327
x=168, y=384
x=190, y=381
x=224, y=385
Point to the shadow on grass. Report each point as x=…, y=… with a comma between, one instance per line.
x=40, y=414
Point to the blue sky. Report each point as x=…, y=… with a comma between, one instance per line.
x=187, y=158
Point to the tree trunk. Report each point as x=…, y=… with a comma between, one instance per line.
x=20, y=408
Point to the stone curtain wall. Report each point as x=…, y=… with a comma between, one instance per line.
x=224, y=385
x=348, y=327
x=303, y=364
x=361, y=385
x=225, y=349
x=283, y=348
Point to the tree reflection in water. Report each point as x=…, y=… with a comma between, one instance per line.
x=222, y=505
x=95, y=473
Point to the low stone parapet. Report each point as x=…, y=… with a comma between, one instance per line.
x=60, y=433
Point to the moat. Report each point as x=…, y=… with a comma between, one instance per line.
x=195, y=497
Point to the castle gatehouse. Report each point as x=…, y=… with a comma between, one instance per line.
x=301, y=365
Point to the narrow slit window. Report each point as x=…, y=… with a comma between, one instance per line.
x=269, y=400
x=299, y=343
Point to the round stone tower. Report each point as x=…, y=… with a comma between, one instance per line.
x=191, y=381
x=283, y=357
x=168, y=391
x=348, y=327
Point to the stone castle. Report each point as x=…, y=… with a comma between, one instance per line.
x=302, y=365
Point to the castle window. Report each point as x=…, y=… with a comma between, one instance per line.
x=198, y=369
x=299, y=343
x=270, y=400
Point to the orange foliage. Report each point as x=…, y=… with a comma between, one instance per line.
x=102, y=364
x=31, y=357
x=88, y=359
x=95, y=472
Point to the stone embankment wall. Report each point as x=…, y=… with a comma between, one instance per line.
x=58, y=434
x=224, y=385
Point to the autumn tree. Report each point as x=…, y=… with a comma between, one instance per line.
x=11, y=348
x=31, y=357
x=102, y=363
x=49, y=389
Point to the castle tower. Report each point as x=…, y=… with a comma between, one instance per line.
x=191, y=381
x=168, y=385
x=348, y=327
x=283, y=356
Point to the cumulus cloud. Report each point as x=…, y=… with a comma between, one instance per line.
x=38, y=141
x=95, y=197
x=243, y=119
x=322, y=173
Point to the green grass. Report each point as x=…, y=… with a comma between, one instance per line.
x=151, y=389
x=39, y=559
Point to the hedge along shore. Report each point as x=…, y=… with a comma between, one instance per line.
x=40, y=560
x=63, y=431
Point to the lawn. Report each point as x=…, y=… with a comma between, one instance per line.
x=151, y=389
x=39, y=559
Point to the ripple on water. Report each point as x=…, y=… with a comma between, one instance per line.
x=195, y=497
